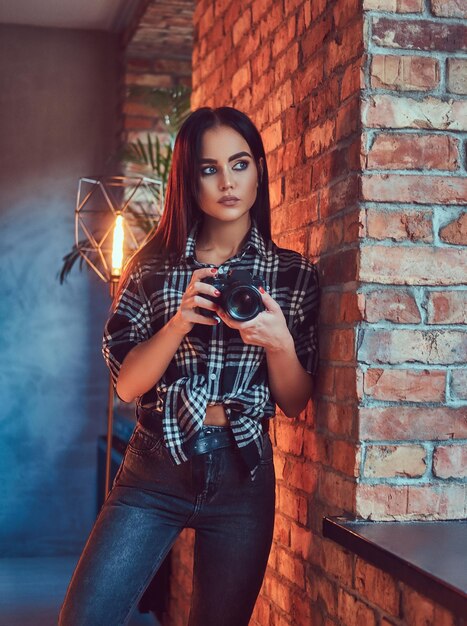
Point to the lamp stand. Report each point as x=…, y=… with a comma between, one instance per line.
x=113, y=283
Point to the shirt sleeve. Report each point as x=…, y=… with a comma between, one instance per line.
x=305, y=323
x=127, y=325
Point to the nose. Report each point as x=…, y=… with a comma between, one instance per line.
x=226, y=179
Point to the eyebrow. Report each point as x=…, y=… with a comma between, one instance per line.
x=232, y=158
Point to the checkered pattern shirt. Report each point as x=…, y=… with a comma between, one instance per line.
x=212, y=364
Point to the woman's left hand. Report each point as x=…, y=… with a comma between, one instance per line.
x=268, y=329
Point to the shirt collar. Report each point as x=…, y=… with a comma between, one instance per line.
x=254, y=240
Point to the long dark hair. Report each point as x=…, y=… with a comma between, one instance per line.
x=181, y=209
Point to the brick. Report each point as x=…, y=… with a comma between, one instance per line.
x=337, y=418
x=307, y=78
x=404, y=73
x=449, y=8
x=284, y=36
x=394, y=6
x=413, y=265
x=346, y=383
x=418, y=610
x=447, y=307
x=292, y=505
x=279, y=592
x=413, y=423
x=314, y=447
x=353, y=612
x=377, y=586
x=456, y=231
x=405, y=385
x=289, y=437
x=348, y=119
x=344, y=11
x=353, y=80
x=286, y=65
x=391, y=461
x=344, y=456
x=339, y=196
x=261, y=61
x=413, y=151
x=419, y=189
x=437, y=501
x=241, y=79
x=319, y=138
x=271, y=21
x=327, y=594
x=399, y=225
x=282, y=527
x=393, y=305
x=450, y=461
x=344, y=46
x=301, y=475
x=314, y=38
x=395, y=111
x=241, y=26
x=339, y=268
x=304, y=544
x=272, y=136
x=412, y=346
x=291, y=568
x=338, y=344
x=381, y=502
x=337, y=490
x=337, y=562
x=457, y=76
x=459, y=384
x=419, y=35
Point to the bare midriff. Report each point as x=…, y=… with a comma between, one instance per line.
x=215, y=415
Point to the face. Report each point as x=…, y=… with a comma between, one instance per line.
x=228, y=174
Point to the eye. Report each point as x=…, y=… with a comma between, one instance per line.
x=243, y=165
x=208, y=170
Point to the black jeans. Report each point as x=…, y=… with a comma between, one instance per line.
x=152, y=500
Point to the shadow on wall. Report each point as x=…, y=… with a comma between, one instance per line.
x=60, y=123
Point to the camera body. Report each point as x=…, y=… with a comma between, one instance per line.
x=240, y=296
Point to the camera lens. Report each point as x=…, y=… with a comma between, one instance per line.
x=243, y=303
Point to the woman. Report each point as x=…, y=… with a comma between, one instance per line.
x=206, y=385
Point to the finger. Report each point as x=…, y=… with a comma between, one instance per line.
x=268, y=301
x=197, y=318
x=203, y=272
x=229, y=321
x=204, y=302
x=210, y=290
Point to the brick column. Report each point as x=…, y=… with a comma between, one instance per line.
x=412, y=345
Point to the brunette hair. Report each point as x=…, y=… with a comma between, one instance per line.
x=181, y=209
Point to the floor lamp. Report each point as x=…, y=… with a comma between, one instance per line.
x=114, y=216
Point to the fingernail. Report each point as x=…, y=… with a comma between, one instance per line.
x=213, y=270
x=217, y=292
x=262, y=290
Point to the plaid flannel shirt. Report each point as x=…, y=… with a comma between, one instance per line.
x=212, y=364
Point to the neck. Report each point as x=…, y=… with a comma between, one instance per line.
x=223, y=237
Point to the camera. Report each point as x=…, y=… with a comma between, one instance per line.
x=240, y=296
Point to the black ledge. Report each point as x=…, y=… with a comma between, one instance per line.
x=430, y=556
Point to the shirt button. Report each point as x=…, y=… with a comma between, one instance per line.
x=212, y=376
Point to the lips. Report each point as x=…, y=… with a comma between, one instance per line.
x=229, y=200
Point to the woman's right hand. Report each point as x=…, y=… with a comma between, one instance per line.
x=187, y=315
